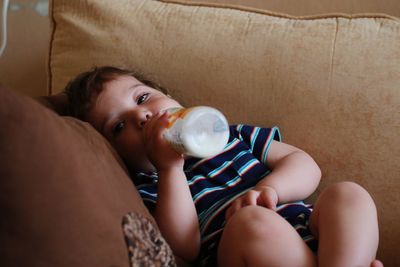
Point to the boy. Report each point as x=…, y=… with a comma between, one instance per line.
x=240, y=208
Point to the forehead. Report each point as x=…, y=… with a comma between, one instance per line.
x=112, y=96
x=118, y=83
x=115, y=91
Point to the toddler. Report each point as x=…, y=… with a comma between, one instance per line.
x=242, y=207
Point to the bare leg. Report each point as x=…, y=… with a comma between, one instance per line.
x=345, y=222
x=258, y=237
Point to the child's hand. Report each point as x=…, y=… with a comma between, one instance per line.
x=160, y=153
x=265, y=196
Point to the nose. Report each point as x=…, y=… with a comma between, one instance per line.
x=141, y=117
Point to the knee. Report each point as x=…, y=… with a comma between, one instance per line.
x=246, y=232
x=254, y=221
x=349, y=193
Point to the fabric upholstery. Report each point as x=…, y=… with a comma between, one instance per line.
x=147, y=247
x=63, y=190
x=331, y=83
x=315, y=7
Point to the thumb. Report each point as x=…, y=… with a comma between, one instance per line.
x=268, y=199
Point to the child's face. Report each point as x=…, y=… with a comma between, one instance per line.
x=120, y=112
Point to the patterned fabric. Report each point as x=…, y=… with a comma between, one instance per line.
x=298, y=215
x=146, y=246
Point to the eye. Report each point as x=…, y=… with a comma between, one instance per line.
x=118, y=127
x=142, y=98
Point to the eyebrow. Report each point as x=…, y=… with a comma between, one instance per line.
x=131, y=88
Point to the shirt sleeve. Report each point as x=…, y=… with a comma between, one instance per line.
x=258, y=139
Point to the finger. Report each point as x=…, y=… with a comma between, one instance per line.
x=267, y=199
x=251, y=198
x=155, y=127
x=157, y=121
x=228, y=214
x=376, y=263
x=236, y=205
x=162, y=118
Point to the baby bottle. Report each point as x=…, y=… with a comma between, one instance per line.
x=198, y=131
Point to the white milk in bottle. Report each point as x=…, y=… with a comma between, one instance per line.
x=198, y=131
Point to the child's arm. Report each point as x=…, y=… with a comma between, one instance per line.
x=294, y=177
x=175, y=211
x=176, y=215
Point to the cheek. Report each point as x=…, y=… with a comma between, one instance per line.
x=168, y=102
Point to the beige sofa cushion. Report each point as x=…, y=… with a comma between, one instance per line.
x=315, y=7
x=330, y=83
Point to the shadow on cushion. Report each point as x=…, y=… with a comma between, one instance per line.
x=63, y=190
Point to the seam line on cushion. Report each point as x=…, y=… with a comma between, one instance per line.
x=333, y=55
x=283, y=15
x=50, y=51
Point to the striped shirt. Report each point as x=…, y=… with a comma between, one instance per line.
x=215, y=182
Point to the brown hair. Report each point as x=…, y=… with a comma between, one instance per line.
x=82, y=90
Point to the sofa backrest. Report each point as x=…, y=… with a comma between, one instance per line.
x=315, y=7
x=331, y=83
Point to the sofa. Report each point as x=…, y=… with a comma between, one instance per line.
x=329, y=82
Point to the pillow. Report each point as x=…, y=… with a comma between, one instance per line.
x=64, y=193
x=330, y=82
